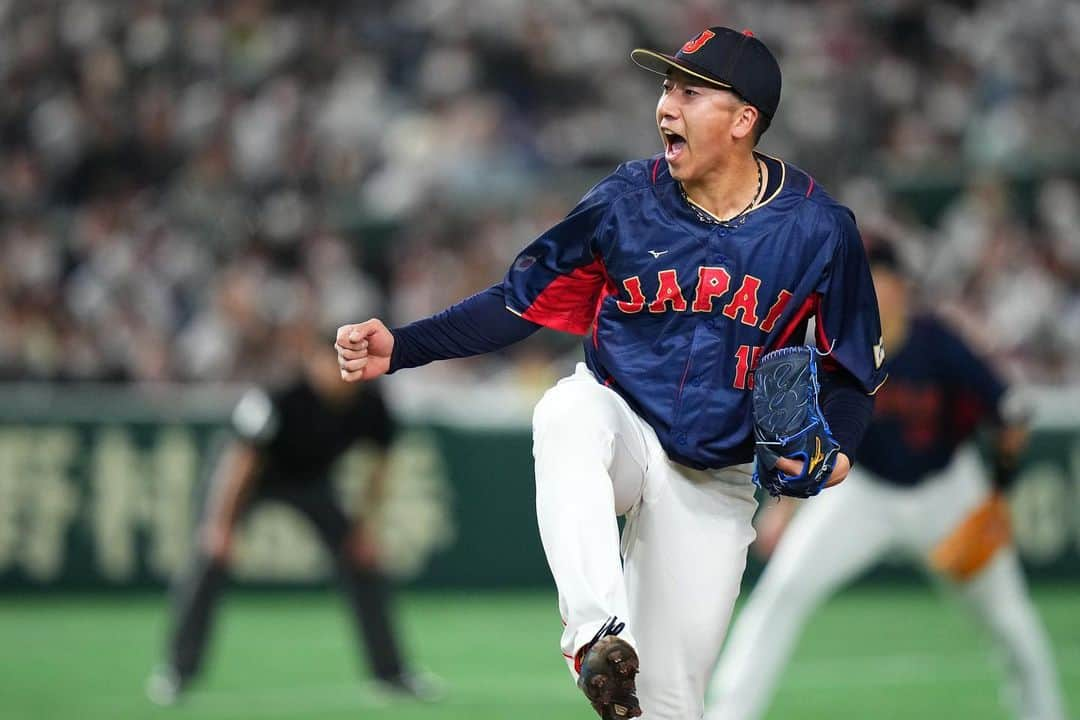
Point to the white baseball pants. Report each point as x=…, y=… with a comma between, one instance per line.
x=675, y=575
x=841, y=533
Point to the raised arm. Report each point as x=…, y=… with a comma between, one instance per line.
x=477, y=325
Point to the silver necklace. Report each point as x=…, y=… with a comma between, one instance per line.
x=738, y=219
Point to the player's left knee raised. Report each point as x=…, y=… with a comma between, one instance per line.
x=573, y=412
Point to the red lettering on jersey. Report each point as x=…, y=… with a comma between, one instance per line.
x=712, y=282
x=917, y=407
x=746, y=360
x=694, y=45
x=637, y=298
x=669, y=291
x=746, y=300
x=776, y=311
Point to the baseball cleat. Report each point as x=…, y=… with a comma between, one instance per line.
x=165, y=686
x=608, y=668
x=422, y=687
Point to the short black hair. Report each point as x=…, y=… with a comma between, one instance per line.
x=882, y=253
x=763, y=121
x=762, y=124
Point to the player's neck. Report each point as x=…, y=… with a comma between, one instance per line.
x=730, y=190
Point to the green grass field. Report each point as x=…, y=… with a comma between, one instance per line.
x=871, y=654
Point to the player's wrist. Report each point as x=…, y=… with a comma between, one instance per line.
x=840, y=470
x=1004, y=472
x=397, y=349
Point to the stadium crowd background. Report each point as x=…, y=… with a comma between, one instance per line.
x=181, y=179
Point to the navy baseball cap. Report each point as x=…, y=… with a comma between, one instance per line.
x=726, y=58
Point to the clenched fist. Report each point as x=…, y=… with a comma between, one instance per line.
x=363, y=350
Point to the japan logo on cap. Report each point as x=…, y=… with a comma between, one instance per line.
x=692, y=46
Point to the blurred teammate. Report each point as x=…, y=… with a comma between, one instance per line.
x=285, y=444
x=681, y=270
x=920, y=489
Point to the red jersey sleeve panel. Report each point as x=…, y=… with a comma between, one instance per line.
x=558, y=280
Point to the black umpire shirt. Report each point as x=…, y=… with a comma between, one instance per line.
x=300, y=433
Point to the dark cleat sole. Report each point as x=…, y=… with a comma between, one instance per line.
x=607, y=678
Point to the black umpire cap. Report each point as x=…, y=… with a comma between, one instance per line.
x=727, y=58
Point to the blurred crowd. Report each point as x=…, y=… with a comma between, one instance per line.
x=181, y=179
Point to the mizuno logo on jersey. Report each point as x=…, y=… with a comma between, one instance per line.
x=714, y=285
x=658, y=253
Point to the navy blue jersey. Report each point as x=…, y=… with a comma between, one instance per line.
x=680, y=309
x=938, y=393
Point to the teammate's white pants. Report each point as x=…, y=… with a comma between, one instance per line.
x=683, y=549
x=839, y=534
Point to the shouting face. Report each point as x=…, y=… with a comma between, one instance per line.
x=700, y=125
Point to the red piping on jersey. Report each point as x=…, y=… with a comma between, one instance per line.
x=800, y=316
x=608, y=290
x=655, y=168
x=822, y=339
x=686, y=372
x=811, y=188
x=596, y=317
x=560, y=305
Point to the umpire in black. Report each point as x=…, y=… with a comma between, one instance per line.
x=285, y=444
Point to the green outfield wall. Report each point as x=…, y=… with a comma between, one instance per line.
x=101, y=490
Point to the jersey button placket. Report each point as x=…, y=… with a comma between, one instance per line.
x=718, y=260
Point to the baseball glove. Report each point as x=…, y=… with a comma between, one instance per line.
x=788, y=423
x=971, y=545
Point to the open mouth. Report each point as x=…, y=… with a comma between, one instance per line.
x=674, y=144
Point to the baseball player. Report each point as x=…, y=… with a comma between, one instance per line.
x=920, y=488
x=285, y=444
x=680, y=270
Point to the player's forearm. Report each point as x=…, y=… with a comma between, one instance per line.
x=847, y=409
x=232, y=484
x=476, y=325
x=376, y=488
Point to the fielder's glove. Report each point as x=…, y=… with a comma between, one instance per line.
x=788, y=423
x=965, y=551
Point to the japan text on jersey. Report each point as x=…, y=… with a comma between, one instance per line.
x=680, y=309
